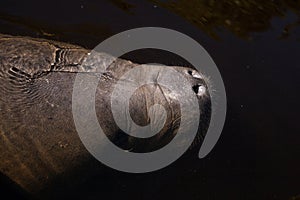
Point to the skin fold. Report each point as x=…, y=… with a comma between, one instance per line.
x=39, y=145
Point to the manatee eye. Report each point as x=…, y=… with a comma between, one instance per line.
x=199, y=89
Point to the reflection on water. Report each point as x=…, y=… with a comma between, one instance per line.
x=93, y=19
x=238, y=16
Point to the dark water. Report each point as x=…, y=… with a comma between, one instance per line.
x=256, y=46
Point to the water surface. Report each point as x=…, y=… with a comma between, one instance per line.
x=255, y=45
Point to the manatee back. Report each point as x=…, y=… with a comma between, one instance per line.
x=38, y=141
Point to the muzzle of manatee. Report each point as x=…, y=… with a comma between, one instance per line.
x=38, y=139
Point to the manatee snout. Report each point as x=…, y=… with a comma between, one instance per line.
x=197, y=80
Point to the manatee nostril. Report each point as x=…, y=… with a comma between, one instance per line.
x=194, y=74
x=196, y=88
x=199, y=89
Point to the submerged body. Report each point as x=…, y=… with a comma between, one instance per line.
x=38, y=140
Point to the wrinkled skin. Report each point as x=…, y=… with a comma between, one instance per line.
x=39, y=144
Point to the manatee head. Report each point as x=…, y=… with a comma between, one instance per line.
x=142, y=100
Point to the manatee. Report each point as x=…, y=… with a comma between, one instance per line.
x=39, y=144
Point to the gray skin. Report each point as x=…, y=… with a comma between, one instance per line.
x=38, y=140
